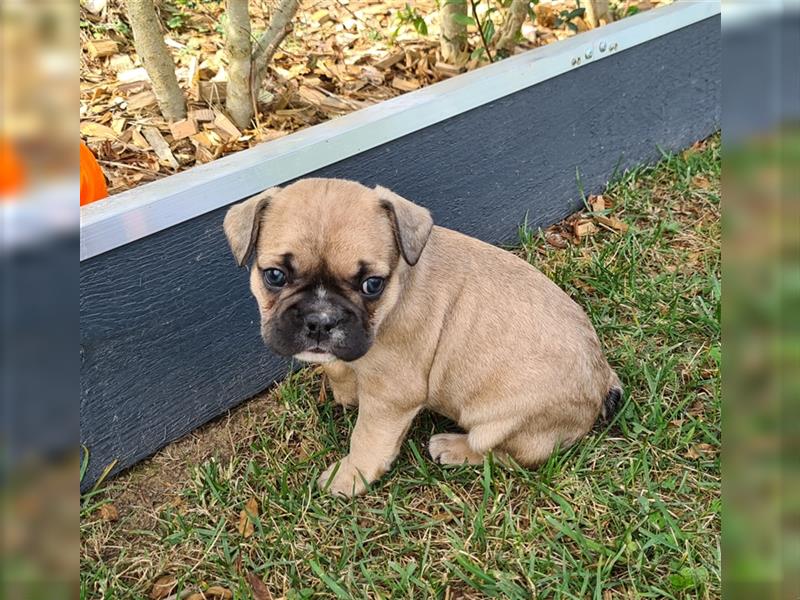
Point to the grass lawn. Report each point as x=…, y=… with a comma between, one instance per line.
x=633, y=511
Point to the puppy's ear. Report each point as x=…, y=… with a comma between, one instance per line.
x=241, y=224
x=412, y=224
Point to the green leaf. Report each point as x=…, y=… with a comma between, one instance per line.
x=175, y=22
x=688, y=578
x=463, y=19
x=328, y=580
x=477, y=53
x=488, y=30
x=716, y=355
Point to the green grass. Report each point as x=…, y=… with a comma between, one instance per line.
x=633, y=511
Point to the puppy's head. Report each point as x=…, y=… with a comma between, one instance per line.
x=328, y=255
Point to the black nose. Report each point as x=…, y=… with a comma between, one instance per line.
x=319, y=324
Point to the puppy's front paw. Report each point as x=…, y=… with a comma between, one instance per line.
x=452, y=449
x=342, y=479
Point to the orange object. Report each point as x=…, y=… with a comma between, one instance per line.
x=12, y=171
x=93, y=182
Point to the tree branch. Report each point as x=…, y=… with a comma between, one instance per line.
x=480, y=29
x=280, y=25
x=512, y=24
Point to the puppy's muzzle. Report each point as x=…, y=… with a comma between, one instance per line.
x=318, y=326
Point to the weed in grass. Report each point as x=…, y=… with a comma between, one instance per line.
x=630, y=512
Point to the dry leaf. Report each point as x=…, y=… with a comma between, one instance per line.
x=120, y=62
x=335, y=103
x=581, y=24
x=95, y=130
x=138, y=139
x=372, y=75
x=109, y=512
x=203, y=155
x=202, y=115
x=117, y=125
x=612, y=223
x=310, y=95
x=259, y=589
x=444, y=69
x=163, y=587
x=226, y=126
x=555, y=239
x=141, y=100
x=321, y=16
x=246, y=517
x=216, y=591
x=183, y=129
x=213, y=92
x=696, y=409
x=405, y=85
x=160, y=146
x=444, y=517
x=390, y=60
x=597, y=203
x=102, y=48
x=700, y=450
x=131, y=75
x=698, y=146
x=706, y=449
x=207, y=139
x=700, y=181
x=584, y=228
x=323, y=390
x=546, y=15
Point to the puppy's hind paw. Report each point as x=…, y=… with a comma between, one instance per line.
x=453, y=449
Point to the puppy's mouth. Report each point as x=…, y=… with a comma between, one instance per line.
x=315, y=355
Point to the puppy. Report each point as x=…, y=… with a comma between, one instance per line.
x=405, y=316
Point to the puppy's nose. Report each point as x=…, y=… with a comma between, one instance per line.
x=321, y=323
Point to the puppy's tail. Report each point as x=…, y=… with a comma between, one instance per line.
x=613, y=399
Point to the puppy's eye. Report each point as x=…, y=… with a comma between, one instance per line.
x=372, y=286
x=275, y=278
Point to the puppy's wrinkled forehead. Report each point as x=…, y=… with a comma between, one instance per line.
x=335, y=223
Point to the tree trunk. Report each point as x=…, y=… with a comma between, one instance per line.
x=598, y=13
x=158, y=63
x=247, y=62
x=280, y=24
x=509, y=30
x=453, y=40
x=239, y=102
